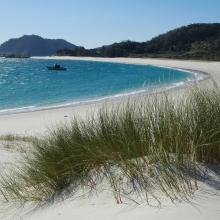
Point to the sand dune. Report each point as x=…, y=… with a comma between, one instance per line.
x=102, y=206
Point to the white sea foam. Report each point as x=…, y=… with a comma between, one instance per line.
x=19, y=109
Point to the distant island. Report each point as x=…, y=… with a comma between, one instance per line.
x=16, y=55
x=195, y=41
x=33, y=45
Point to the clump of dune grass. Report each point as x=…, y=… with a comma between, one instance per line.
x=149, y=148
x=17, y=143
x=12, y=137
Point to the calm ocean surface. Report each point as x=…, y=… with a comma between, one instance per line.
x=27, y=84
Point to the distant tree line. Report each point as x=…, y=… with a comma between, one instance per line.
x=196, y=41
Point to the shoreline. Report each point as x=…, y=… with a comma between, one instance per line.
x=38, y=121
x=199, y=77
x=114, y=97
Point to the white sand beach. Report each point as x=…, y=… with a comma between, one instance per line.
x=205, y=204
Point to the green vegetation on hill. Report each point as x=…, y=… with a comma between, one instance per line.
x=149, y=149
x=196, y=41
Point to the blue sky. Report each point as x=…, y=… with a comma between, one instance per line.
x=93, y=23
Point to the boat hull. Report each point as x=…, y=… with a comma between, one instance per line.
x=56, y=69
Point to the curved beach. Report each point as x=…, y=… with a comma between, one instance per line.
x=102, y=206
x=37, y=122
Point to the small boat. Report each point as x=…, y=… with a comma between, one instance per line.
x=56, y=67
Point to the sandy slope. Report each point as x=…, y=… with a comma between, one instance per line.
x=102, y=207
x=206, y=207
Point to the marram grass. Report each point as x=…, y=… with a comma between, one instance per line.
x=150, y=148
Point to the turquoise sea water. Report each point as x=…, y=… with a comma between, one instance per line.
x=27, y=84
